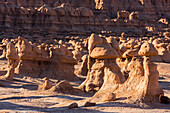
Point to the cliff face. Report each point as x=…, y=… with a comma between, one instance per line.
x=153, y=8
x=49, y=18
x=158, y=7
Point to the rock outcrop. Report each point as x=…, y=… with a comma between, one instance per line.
x=83, y=70
x=102, y=67
x=49, y=19
x=162, y=47
x=54, y=61
x=46, y=85
x=13, y=58
x=142, y=84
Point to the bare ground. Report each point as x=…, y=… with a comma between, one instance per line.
x=21, y=95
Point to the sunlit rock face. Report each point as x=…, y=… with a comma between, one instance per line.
x=46, y=19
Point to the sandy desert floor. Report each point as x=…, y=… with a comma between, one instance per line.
x=21, y=95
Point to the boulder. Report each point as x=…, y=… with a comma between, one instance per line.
x=73, y=105
x=113, y=43
x=46, y=85
x=93, y=41
x=62, y=87
x=88, y=104
x=147, y=49
x=130, y=53
x=104, y=52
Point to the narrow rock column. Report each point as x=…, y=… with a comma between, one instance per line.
x=13, y=59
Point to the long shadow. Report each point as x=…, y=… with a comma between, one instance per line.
x=20, y=108
x=36, y=97
x=17, y=83
x=166, y=86
x=142, y=106
x=10, y=86
x=161, y=78
x=25, y=86
x=14, y=107
x=81, y=109
x=16, y=79
x=22, y=81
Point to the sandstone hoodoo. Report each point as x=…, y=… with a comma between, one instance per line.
x=141, y=85
x=84, y=55
x=13, y=58
x=162, y=46
x=105, y=78
x=27, y=59
x=102, y=67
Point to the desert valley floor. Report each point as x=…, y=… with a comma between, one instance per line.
x=22, y=95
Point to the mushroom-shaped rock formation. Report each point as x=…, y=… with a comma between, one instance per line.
x=142, y=84
x=12, y=56
x=125, y=60
x=104, y=52
x=147, y=49
x=93, y=41
x=102, y=67
x=27, y=51
x=162, y=48
x=53, y=62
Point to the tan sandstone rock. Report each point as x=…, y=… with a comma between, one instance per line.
x=13, y=58
x=101, y=61
x=142, y=84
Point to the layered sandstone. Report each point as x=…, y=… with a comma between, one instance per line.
x=138, y=83
x=54, y=61
x=141, y=85
x=40, y=19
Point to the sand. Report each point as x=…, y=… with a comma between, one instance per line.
x=21, y=95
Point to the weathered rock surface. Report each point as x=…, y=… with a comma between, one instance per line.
x=13, y=58
x=105, y=77
x=47, y=85
x=62, y=87
x=83, y=69
x=47, y=19
x=101, y=64
x=35, y=61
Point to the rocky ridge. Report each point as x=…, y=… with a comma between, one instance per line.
x=40, y=19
